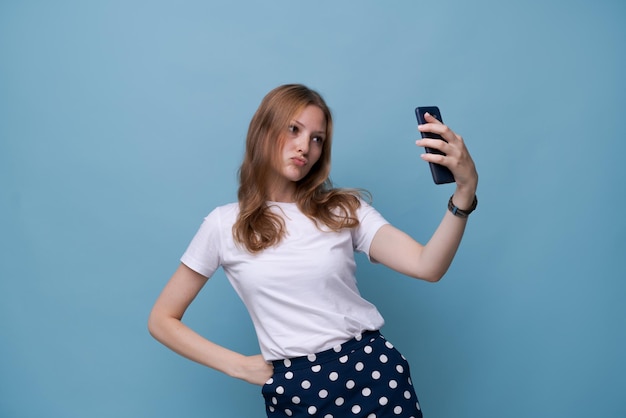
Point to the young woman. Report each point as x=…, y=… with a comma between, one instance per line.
x=287, y=247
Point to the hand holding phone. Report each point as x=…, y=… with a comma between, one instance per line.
x=440, y=173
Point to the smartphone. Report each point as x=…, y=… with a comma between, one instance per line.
x=441, y=174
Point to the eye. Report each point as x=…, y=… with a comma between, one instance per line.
x=318, y=139
x=293, y=129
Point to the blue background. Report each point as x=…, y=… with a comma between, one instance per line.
x=122, y=125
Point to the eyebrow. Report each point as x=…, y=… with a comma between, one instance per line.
x=302, y=124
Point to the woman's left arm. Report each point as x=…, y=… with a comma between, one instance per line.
x=399, y=251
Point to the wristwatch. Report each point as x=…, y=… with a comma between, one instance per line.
x=460, y=212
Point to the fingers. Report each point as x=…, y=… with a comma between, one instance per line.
x=437, y=144
x=436, y=127
x=431, y=119
x=456, y=158
x=452, y=148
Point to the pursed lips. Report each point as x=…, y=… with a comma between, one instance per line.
x=299, y=161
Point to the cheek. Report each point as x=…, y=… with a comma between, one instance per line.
x=317, y=155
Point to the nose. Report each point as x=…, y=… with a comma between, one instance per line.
x=302, y=144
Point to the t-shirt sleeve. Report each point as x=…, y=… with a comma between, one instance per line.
x=370, y=222
x=203, y=253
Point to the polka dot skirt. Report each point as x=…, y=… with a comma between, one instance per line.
x=364, y=377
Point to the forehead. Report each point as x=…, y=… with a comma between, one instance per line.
x=311, y=116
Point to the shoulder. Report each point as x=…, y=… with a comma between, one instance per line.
x=233, y=206
x=366, y=209
x=221, y=216
x=225, y=211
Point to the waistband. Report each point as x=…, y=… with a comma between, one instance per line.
x=325, y=356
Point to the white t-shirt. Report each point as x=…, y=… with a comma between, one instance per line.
x=301, y=294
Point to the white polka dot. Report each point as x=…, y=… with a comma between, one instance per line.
x=388, y=344
x=383, y=358
x=272, y=409
x=312, y=410
x=337, y=348
x=311, y=357
x=366, y=392
x=280, y=390
x=393, y=384
x=316, y=368
x=400, y=369
x=328, y=416
x=371, y=416
x=287, y=362
x=407, y=394
x=350, y=384
x=356, y=409
x=288, y=412
x=339, y=401
x=418, y=406
x=274, y=401
x=409, y=380
x=397, y=410
x=359, y=366
x=375, y=375
x=358, y=337
x=295, y=400
x=333, y=376
x=323, y=393
x=305, y=384
x=368, y=349
x=289, y=375
x=383, y=401
x=343, y=359
x=269, y=382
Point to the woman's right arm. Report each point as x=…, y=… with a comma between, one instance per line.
x=165, y=324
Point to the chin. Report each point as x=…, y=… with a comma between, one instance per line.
x=295, y=177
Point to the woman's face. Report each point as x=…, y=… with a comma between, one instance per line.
x=301, y=149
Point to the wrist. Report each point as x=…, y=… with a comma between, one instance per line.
x=235, y=366
x=463, y=198
x=462, y=211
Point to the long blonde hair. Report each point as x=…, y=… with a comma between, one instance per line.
x=257, y=227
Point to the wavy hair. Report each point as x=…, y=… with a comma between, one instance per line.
x=257, y=227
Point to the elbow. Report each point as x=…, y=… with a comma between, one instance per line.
x=154, y=325
x=151, y=326
x=424, y=268
x=162, y=325
x=432, y=276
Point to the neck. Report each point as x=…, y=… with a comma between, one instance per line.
x=281, y=197
x=281, y=191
